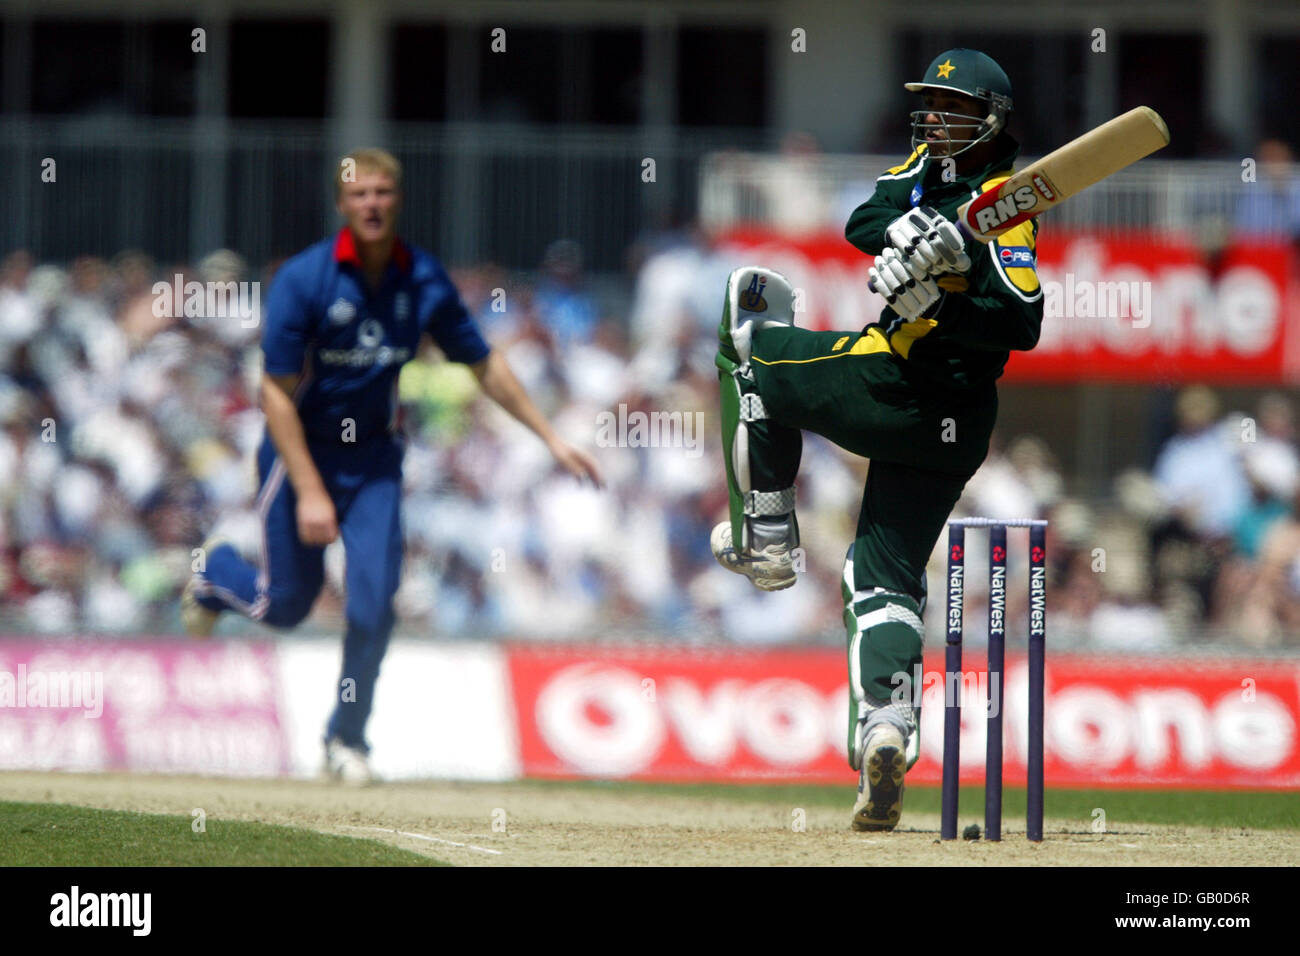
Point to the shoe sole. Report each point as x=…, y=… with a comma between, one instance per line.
x=884, y=807
x=721, y=544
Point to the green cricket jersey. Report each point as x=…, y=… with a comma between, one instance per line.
x=993, y=308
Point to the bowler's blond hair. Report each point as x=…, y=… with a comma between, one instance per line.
x=367, y=160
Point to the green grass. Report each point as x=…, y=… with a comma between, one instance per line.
x=1258, y=810
x=51, y=834
x=55, y=834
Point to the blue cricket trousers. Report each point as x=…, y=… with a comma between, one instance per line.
x=364, y=479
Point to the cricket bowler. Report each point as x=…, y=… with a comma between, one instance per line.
x=342, y=318
x=913, y=392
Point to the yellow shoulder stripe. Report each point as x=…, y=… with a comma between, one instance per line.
x=905, y=164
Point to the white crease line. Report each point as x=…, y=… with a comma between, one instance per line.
x=421, y=836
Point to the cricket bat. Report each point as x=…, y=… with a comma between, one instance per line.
x=1063, y=173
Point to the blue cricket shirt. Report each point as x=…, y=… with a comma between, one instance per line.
x=349, y=342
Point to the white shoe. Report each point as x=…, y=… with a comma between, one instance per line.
x=197, y=620
x=903, y=714
x=771, y=569
x=880, y=783
x=348, y=765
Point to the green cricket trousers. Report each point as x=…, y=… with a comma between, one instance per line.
x=923, y=442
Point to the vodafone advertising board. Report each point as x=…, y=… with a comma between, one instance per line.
x=681, y=715
x=1135, y=307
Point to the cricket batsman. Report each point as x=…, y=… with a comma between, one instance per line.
x=914, y=392
x=342, y=317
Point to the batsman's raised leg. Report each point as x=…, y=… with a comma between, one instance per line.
x=762, y=456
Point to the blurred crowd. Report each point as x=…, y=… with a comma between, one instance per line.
x=127, y=432
x=1204, y=547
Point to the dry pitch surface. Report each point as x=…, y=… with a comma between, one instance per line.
x=556, y=824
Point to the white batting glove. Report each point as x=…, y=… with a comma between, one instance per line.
x=930, y=240
x=907, y=289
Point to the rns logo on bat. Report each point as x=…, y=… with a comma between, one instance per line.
x=992, y=213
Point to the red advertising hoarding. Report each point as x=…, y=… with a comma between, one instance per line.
x=689, y=715
x=1137, y=307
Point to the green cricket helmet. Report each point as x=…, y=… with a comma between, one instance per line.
x=970, y=73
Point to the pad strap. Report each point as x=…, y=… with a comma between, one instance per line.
x=752, y=408
x=769, y=503
x=891, y=613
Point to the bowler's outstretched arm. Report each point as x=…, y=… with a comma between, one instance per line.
x=500, y=384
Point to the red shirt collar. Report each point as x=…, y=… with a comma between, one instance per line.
x=345, y=250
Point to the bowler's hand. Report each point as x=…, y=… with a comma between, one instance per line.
x=317, y=524
x=577, y=463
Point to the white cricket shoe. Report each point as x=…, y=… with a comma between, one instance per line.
x=347, y=765
x=197, y=620
x=771, y=569
x=880, y=783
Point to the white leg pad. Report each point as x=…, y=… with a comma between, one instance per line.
x=756, y=297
